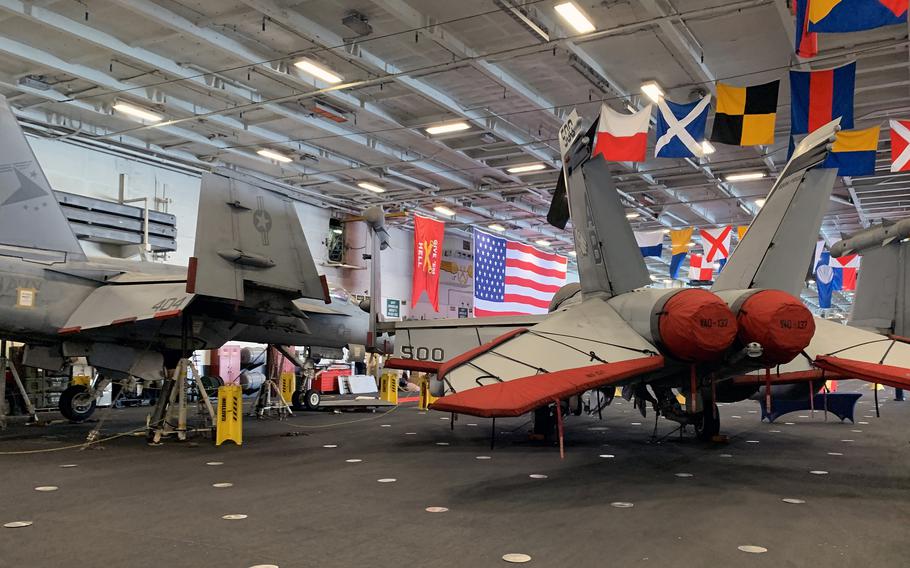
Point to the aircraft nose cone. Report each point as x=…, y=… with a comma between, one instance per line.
x=779, y=322
x=695, y=325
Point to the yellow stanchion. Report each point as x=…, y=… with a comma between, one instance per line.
x=288, y=385
x=426, y=399
x=229, y=420
x=388, y=388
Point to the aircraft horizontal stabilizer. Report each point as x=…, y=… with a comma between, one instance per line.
x=115, y=304
x=522, y=395
x=897, y=377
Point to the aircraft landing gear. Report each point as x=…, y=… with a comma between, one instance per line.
x=77, y=403
x=708, y=424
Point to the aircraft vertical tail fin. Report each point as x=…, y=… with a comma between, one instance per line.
x=780, y=241
x=249, y=236
x=609, y=260
x=881, y=280
x=31, y=220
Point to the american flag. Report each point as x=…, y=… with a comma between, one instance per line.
x=511, y=278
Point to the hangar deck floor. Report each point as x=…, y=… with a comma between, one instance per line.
x=127, y=504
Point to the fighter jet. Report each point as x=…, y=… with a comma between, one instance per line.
x=613, y=330
x=251, y=278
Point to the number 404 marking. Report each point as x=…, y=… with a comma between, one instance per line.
x=169, y=304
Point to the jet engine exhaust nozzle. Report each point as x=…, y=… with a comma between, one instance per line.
x=779, y=322
x=696, y=326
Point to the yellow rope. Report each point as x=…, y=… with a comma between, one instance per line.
x=83, y=445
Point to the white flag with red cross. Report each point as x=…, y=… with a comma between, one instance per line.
x=716, y=242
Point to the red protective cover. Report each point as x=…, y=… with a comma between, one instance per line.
x=779, y=322
x=412, y=365
x=896, y=377
x=514, y=398
x=695, y=325
x=479, y=350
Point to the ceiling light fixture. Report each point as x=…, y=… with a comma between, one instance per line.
x=747, y=176
x=707, y=147
x=633, y=215
x=573, y=253
x=652, y=90
x=496, y=227
x=450, y=127
x=315, y=70
x=272, y=155
x=760, y=202
x=371, y=187
x=573, y=15
x=137, y=112
x=542, y=242
x=526, y=168
x=443, y=210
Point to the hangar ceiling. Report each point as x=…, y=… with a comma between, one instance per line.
x=221, y=76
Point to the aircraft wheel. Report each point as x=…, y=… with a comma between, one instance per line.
x=297, y=402
x=311, y=399
x=76, y=403
x=709, y=424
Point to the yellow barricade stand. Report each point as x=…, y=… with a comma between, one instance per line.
x=83, y=380
x=288, y=385
x=229, y=420
x=426, y=399
x=388, y=388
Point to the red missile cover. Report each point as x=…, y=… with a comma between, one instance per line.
x=695, y=325
x=779, y=322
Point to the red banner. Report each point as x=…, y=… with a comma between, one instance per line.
x=428, y=235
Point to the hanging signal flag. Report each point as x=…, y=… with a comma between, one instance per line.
x=650, y=242
x=679, y=247
x=818, y=97
x=853, y=152
x=622, y=137
x=681, y=128
x=900, y=145
x=745, y=116
x=838, y=16
x=700, y=269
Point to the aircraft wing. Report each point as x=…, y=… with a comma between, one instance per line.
x=849, y=352
x=115, y=304
x=573, y=350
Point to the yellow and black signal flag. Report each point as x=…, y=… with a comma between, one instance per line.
x=745, y=115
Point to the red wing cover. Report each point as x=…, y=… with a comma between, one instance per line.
x=896, y=377
x=514, y=398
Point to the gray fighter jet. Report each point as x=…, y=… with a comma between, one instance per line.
x=251, y=278
x=612, y=330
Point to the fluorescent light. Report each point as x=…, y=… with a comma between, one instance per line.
x=370, y=187
x=632, y=215
x=542, y=242
x=318, y=71
x=526, y=168
x=690, y=244
x=652, y=90
x=496, y=227
x=450, y=127
x=745, y=209
x=337, y=231
x=443, y=210
x=573, y=253
x=747, y=176
x=707, y=147
x=272, y=155
x=666, y=231
x=137, y=112
x=573, y=15
x=760, y=202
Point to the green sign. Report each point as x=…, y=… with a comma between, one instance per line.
x=392, y=308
